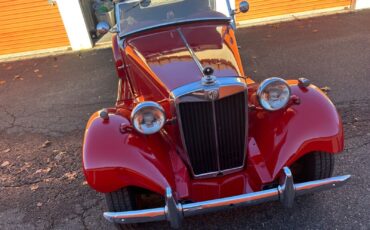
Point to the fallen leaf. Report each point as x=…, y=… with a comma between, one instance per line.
x=18, y=77
x=325, y=89
x=2, y=82
x=315, y=31
x=39, y=75
x=59, y=156
x=55, y=66
x=46, y=144
x=6, y=150
x=71, y=175
x=34, y=187
x=356, y=119
x=36, y=70
x=9, y=67
x=39, y=204
x=5, y=163
x=47, y=170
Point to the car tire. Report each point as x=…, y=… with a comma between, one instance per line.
x=313, y=166
x=119, y=201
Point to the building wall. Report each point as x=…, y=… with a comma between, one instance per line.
x=30, y=25
x=270, y=8
x=362, y=4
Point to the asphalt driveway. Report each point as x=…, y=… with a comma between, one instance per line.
x=45, y=104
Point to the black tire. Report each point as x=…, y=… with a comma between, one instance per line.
x=121, y=200
x=313, y=166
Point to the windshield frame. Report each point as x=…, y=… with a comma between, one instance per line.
x=159, y=25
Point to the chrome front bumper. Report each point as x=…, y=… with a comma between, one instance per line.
x=175, y=212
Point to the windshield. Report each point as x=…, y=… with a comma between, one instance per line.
x=137, y=15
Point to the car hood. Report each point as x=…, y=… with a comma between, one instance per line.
x=163, y=57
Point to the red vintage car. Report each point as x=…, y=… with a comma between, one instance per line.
x=190, y=133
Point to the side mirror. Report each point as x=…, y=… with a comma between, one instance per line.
x=102, y=28
x=243, y=7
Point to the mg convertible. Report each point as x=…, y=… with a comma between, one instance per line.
x=190, y=133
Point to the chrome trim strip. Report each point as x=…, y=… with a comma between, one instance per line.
x=224, y=172
x=198, y=86
x=232, y=14
x=216, y=138
x=174, y=212
x=191, y=51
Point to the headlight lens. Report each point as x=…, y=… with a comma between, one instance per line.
x=148, y=117
x=273, y=94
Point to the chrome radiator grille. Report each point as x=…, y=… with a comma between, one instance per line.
x=214, y=133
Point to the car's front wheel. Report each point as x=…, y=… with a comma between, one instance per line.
x=313, y=166
x=119, y=201
x=129, y=199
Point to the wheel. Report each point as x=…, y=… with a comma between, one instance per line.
x=313, y=166
x=128, y=199
x=121, y=200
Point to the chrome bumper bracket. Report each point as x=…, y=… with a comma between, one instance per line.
x=175, y=212
x=286, y=188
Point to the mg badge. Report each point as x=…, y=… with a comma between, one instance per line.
x=212, y=94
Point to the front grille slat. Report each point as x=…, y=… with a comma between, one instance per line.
x=200, y=136
x=198, y=132
x=230, y=113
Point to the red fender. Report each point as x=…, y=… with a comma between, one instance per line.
x=278, y=139
x=112, y=159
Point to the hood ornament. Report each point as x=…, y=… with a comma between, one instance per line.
x=208, y=78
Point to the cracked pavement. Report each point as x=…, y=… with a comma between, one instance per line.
x=46, y=102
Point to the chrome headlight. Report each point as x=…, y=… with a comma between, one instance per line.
x=273, y=94
x=148, y=117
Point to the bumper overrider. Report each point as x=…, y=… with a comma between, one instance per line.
x=174, y=212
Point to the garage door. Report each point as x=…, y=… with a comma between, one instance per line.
x=30, y=25
x=268, y=8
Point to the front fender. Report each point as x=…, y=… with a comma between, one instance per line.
x=280, y=138
x=112, y=159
